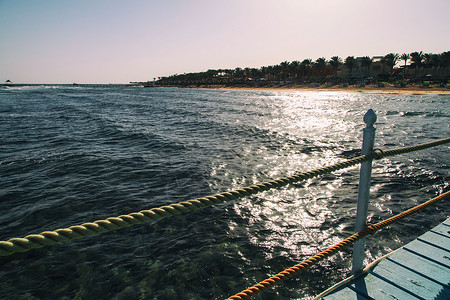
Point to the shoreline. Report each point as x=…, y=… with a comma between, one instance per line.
x=389, y=90
x=418, y=91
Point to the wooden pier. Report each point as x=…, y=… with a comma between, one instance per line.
x=418, y=270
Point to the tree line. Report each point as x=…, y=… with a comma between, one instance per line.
x=322, y=70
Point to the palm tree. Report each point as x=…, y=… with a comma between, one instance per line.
x=405, y=58
x=335, y=62
x=271, y=72
x=255, y=73
x=229, y=75
x=383, y=64
x=390, y=60
x=278, y=72
x=350, y=63
x=428, y=62
x=428, y=59
x=264, y=71
x=294, y=68
x=305, y=66
x=248, y=73
x=366, y=62
x=445, y=59
x=417, y=59
x=238, y=73
x=285, y=70
x=320, y=64
x=444, y=62
x=433, y=61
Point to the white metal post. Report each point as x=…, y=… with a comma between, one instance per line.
x=364, y=188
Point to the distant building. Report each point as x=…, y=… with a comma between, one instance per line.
x=359, y=71
x=378, y=67
x=412, y=71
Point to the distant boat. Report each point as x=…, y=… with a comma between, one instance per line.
x=8, y=81
x=74, y=84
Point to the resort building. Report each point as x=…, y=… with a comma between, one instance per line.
x=376, y=68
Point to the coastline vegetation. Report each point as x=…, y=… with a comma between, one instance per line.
x=390, y=69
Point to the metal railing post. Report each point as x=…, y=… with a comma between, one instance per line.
x=364, y=188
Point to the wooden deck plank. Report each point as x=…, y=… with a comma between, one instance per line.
x=378, y=288
x=429, y=269
x=344, y=293
x=428, y=252
x=435, y=239
x=419, y=270
x=414, y=282
x=443, y=228
x=369, y=287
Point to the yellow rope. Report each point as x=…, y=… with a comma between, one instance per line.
x=290, y=272
x=385, y=153
x=45, y=238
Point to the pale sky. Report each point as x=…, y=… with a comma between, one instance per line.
x=109, y=41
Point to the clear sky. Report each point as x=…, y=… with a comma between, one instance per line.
x=109, y=41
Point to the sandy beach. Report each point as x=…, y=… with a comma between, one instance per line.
x=441, y=91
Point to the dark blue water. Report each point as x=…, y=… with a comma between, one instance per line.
x=74, y=155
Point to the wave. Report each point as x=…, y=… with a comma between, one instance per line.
x=434, y=114
x=86, y=154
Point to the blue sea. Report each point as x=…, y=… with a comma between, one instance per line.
x=70, y=155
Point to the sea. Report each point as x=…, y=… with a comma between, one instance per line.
x=70, y=155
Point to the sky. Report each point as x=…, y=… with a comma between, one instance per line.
x=109, y=41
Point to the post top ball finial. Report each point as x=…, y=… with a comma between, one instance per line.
x=370, y=117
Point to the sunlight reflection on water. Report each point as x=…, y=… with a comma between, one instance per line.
x=292, y=219
x=108, y=151
x=315, y=131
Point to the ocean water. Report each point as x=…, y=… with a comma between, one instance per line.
x=70, y=155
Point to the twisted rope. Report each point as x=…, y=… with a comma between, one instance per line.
x=290, y=272
x=377, y=154
x=46, y=238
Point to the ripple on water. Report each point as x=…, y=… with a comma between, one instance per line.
x=70, y=156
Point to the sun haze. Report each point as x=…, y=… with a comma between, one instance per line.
x=61, y=41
